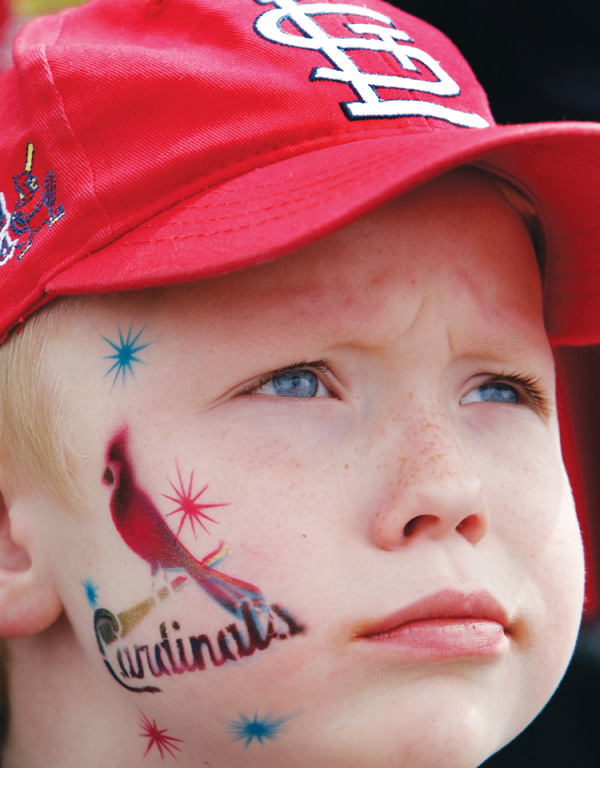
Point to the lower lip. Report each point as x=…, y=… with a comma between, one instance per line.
x=443, y=639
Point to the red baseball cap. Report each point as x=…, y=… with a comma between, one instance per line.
x=152, y=142
x=146, y=143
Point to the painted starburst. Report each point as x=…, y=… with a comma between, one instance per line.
x=125, y=354
x=188, y=505
x=91, y=592
x=259, y=729
x=163, y=742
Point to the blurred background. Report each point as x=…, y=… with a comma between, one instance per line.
x=15, y=13
x=538, y=61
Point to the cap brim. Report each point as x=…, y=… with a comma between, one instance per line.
x=297, y=199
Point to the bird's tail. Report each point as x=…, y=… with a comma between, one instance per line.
x=228, y=592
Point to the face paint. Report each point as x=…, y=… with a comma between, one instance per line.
x=260, y=729
x=188, y=506
x=159, y=738
x=257, y=631
x=125, y=354
x=91, y=592
x=144, y=530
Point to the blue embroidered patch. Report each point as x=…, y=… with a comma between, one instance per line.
x=34, y=209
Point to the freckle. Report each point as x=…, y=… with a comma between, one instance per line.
x=346, y=466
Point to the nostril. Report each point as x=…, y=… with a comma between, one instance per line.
x=416, y=524
x=470, y=527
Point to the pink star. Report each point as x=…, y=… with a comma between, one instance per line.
x=188, y=506
x=158, y=738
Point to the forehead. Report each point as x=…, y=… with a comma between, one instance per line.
x=455, y=238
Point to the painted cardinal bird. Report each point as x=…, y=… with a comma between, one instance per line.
x=143, y=529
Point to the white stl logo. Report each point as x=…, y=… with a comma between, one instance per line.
x=390, y=40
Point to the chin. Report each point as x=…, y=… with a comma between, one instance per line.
x=446, y=735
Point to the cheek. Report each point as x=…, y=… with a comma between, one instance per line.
x=183, y=566
x=538, y=553
x=532, y=511
x=547, y=542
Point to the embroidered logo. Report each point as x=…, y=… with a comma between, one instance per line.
x=34, y=208
x=7, y=244
x=378, y=35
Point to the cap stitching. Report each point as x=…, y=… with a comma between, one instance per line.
x=290, y=193
x=253, y=213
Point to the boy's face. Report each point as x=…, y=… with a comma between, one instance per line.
x=414, y=490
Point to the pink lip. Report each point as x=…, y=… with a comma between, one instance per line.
x=446, y=625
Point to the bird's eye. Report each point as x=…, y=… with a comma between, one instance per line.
x=108, y=476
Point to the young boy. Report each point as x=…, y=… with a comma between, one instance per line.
x=312, y=512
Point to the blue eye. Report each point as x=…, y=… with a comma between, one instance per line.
x=293, y=383
x=492, y=393
x=299, y=383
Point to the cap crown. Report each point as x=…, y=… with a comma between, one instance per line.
x=115, y=111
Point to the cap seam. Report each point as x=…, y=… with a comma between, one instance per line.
x=71, y=131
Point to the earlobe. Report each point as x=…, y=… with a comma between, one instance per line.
x=29, y=602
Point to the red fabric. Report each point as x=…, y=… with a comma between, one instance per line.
x=143, y=108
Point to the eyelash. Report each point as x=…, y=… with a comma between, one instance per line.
x=531, y=390
x=322, y=367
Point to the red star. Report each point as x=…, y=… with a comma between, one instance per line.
x=187, y=505
x=158, y=738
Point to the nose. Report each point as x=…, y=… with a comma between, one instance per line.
x=433, y=492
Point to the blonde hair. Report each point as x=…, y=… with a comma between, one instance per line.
x=36, y=408
x=35, y=427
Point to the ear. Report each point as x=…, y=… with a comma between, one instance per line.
x=29, y=602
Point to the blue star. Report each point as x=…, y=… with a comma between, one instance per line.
x=259, y=729
x=124, y=354
x=91, y=592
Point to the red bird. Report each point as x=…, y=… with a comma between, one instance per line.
x=143, y=529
